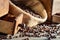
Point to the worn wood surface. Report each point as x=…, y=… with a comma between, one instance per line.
x=18, y=20
x=6, y=27
x=56, y=11
x=4, y=7
x=56, y=7
x=56, y=18
x=9, y=23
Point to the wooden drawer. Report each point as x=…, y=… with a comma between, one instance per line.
x=9, y=23
x=4, y=7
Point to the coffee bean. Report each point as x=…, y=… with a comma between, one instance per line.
x=39, y=31
x=26, y=39
x=9, y=36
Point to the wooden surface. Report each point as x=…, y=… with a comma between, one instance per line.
x=9, y=24
x=6, y=27
x=10, y=18
x=56, y=18
x=56, y=10
x=18, y=20
x=56, y=7
x=4, y=7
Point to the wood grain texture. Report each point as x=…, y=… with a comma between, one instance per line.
x=56, y=11
x=56, y=18
x=9, y=24
x=56, y=7
x=4, y=7
x=6, y=27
